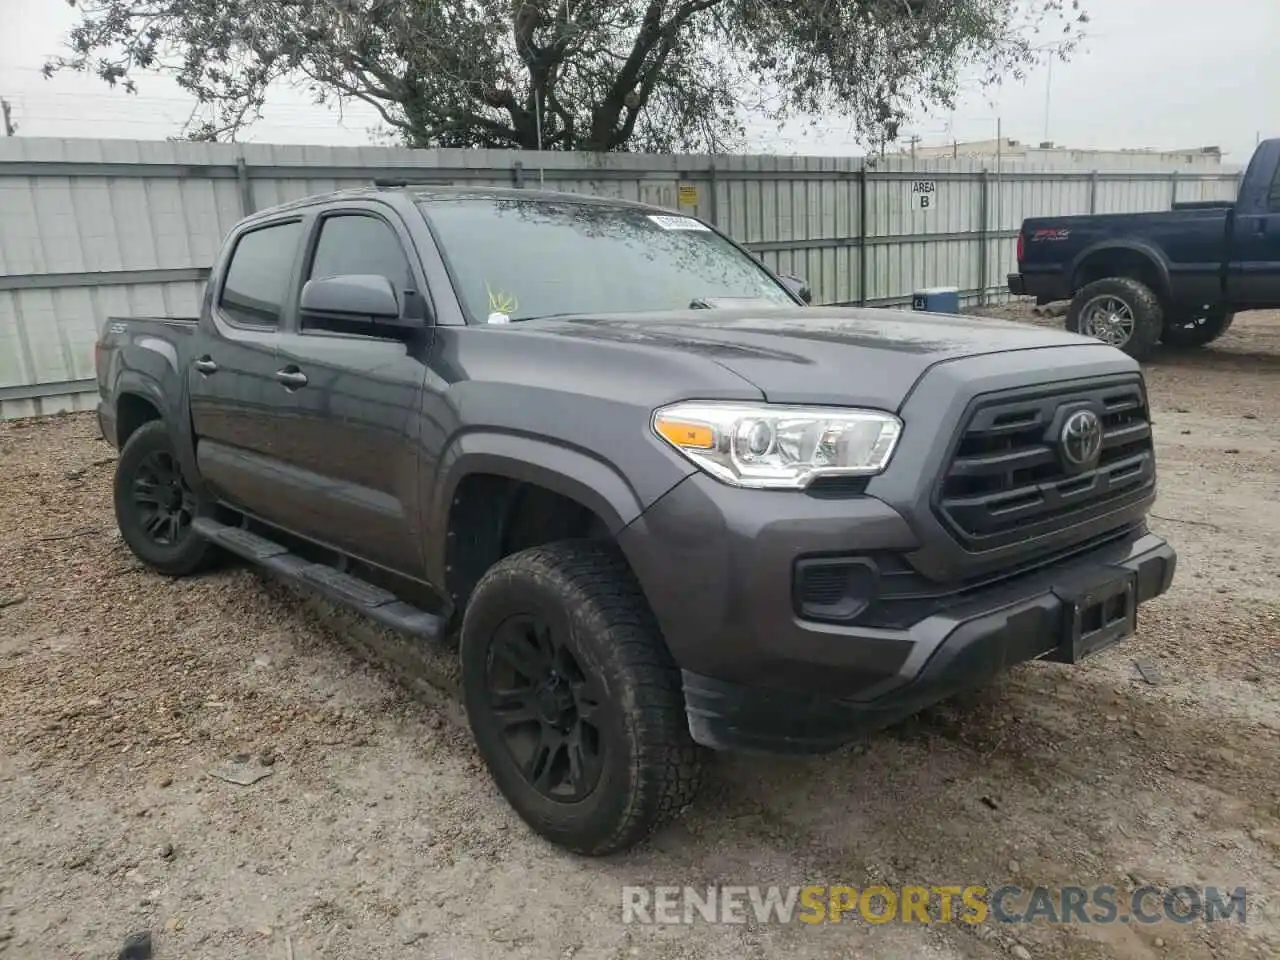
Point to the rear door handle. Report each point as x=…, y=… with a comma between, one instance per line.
x=205, y=365
x=292, y=377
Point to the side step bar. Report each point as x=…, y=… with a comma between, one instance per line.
x=364, y=597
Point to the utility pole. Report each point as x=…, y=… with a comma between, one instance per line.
x=10, y=128
x=913, y=140
x=1048, y=88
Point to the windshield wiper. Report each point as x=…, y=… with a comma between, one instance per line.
x=712, y=303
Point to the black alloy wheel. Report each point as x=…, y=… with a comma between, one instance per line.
x=165, y=504
x=156, y=507
x=548, y=709
x=574, y=699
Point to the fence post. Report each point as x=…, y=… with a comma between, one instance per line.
x=713, y=209
x=1093, y=191
x=246, y=188
x=984, y=207
x=517, y=175
x=862, y=234
x=1173, y=189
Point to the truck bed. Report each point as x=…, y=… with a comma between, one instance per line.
x=1192, y=242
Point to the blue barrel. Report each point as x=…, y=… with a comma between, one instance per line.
x=937, y=300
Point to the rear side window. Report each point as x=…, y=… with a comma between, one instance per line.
x=258, y=275
x=358, y=244
x=1273, y=201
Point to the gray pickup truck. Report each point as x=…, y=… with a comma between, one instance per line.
x=657, y=501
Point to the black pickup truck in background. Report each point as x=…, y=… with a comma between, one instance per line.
x=657, y=502
x=1176, y=277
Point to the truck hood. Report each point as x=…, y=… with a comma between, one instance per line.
x=820, y=355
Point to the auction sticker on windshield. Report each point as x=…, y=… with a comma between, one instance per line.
x=678, y=223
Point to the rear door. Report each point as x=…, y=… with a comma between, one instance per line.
x=232, y=382
x=347, y=434
x=1254, y=276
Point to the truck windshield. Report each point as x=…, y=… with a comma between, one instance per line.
x=538, y=257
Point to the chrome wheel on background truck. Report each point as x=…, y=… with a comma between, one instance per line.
x=1120, y=311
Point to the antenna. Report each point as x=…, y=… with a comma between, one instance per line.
x=537, y=119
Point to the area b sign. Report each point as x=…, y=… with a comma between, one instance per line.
x=924, y=194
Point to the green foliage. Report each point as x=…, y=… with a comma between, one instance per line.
x=596, y=75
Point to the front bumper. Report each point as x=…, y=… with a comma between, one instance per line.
x=758, y=676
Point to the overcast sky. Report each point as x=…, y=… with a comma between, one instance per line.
x=1167, y=74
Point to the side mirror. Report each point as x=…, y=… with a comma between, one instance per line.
x=354, y=303
x=797, y=286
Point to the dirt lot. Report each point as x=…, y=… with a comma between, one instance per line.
x=378, y=834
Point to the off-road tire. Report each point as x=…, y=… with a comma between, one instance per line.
x=190, y=553
x=651, y=767
x=1143, y=304
x=1181, y=333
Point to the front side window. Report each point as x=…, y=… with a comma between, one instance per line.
x=357, y=244
x=258, y=274
x=537, y=258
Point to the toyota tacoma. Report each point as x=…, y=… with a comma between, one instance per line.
x=658, y=501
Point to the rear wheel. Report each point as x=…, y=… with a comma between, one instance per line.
x=155, y=506
x=1186, y=331
x=1120, y=311
x=574, y=700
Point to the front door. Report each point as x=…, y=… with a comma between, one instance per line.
x=232, y=381
x=347, y=437
x=1254, y=276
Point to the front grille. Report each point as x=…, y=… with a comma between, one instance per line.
x=1007, y=480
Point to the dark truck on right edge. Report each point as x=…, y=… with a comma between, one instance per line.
x=1175, y=277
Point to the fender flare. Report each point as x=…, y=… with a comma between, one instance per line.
x=573, y=473
x=1132, y=246
x=134, y=382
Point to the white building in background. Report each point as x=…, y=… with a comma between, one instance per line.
x=1051, y=155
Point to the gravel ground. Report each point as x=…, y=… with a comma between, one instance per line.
x=377, y=832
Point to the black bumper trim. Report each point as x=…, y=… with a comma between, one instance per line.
x=970, y=652
x=1017, y=285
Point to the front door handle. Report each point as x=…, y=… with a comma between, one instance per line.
x=292, y=377
x=205, y=365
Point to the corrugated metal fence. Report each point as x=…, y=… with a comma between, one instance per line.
x=92, y=228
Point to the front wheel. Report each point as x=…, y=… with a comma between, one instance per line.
x=155, y=506
x=1197, y=329
x=574, y=700
x=1120, y=311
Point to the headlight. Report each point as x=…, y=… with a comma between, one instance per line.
x=768, y=445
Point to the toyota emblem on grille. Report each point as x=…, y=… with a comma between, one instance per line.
x=1081, y=438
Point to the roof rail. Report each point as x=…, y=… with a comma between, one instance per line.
x=391, y=182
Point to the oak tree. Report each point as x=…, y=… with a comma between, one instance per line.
x=595, y=75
